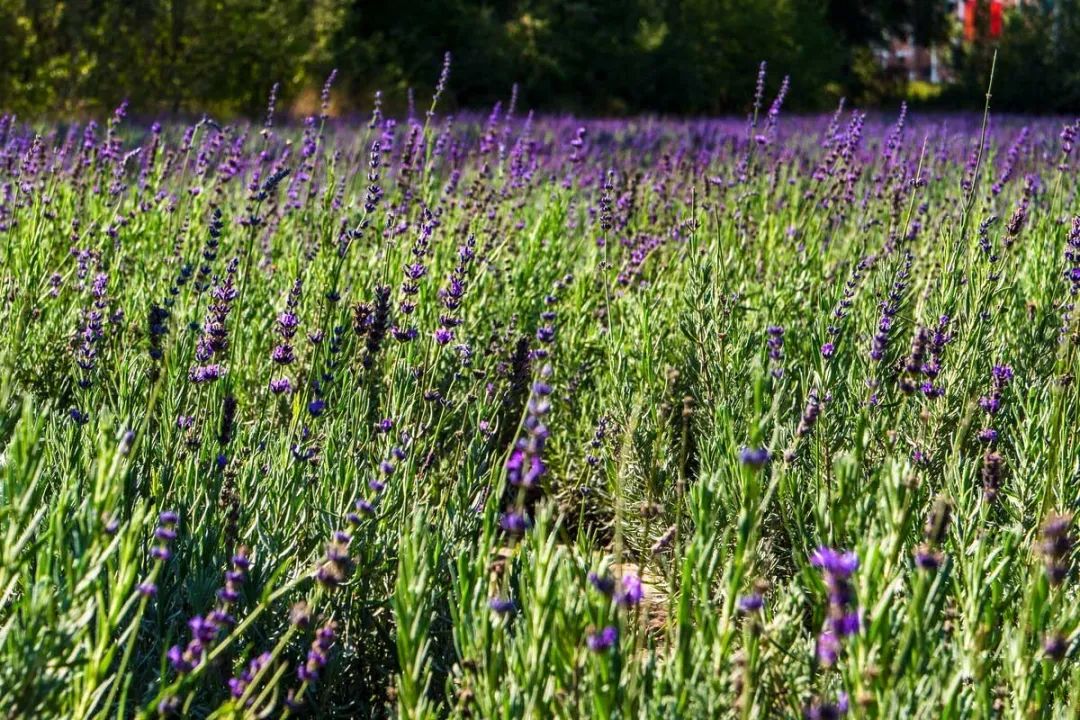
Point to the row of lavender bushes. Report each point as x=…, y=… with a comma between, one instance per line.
x=516, y=416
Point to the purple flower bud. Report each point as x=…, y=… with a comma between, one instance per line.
x=752, y=603
x=501, y=606
x=1055, y=646
x=632, y=591
x=754, y=457
x=603, y=640
x=513, y=522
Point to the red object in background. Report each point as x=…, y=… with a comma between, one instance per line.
x=995, y=18
x=971, y=7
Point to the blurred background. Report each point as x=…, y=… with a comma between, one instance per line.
x=70, y=58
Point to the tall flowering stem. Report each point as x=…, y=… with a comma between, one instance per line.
x=843, y=617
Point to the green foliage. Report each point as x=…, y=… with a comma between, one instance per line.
x=1038, y=57
x=597, y=56
x=172, y=56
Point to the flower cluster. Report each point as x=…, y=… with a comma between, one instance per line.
x=450, y=296
x=318, y=655
x=525, y=467
x=238, y=685
x=286, y=326
x=843, y=307
x=629, y=592
x=210, y=250
x=206, y=630
x=92, y=330
x=928, y=555
x=371, y=321
x=1056, y=545
x=889, y=307
x=810, y=414
x=776, y=350
x=1000, y=377
x=843, y=617
x=338, y=564
x=215, y=338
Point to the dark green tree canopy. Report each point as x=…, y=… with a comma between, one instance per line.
x=594, y=56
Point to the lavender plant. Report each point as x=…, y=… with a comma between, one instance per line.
x=506, y=415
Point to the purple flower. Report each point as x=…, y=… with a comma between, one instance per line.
x=514, y=523
x=234, y=579
x=501, y=606
x=837, y=564
x=238, y=684
x=603, y=583
x=283, y=354
x=827, y=711
x=1055, y=646
x=205, y=373
x=338, y=565
x=754, y=457
x=843, y=615
x=810, y=414
x=828, y=647
x=752, y=603
x=364, y=507
x=1056, y=544
x=776, y=349
x=318, y=654
x=603, y=640
x=525, y=466
x=631, y=592
x=164, y=535
x=280, y=386
x=926, y=558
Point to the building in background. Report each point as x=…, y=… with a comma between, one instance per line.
x=902, y=58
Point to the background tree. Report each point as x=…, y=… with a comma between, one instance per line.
x=587, y=56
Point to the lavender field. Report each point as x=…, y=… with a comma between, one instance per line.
x=507, y=415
